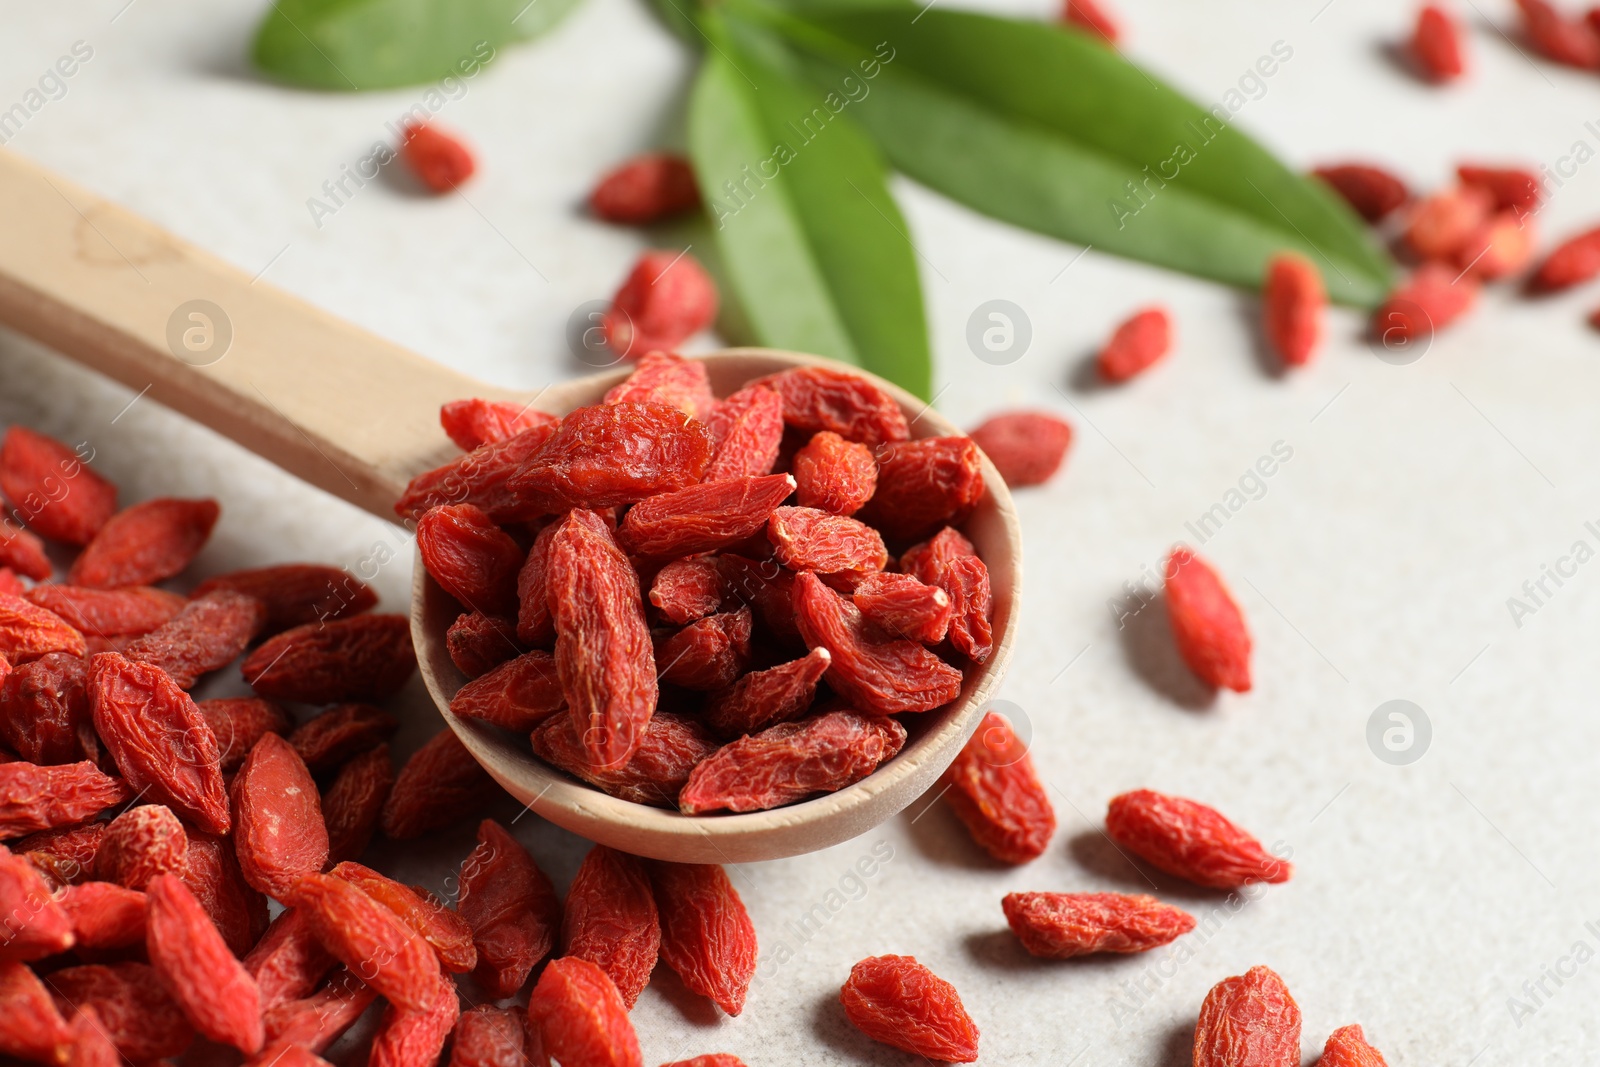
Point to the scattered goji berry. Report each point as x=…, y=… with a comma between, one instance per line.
x=438, y=159
x=646, y=189
x=580, y=1017
x=353, y=803
x=925, y=484
x=316, y=1021
x=473, y=559
x=1430, y=300
x=217, y=995
x=1372, y=191
x=1026, y=447
x=821, y=398
x=480, y=477
x=1136, y=344
x=1575, y=260
x=34, y=798
x=1207, y=624
x=766, y=586
x=1436, y=45
x=790, y=762
x=669, y=748
x=28, y=631
x=139, y=1016
x=487, y=1036
x=213, y=876
x=324, y=741
x=687, y=589
x=887, y=677
x=207, y=635
x=448, y=933
x=518, y=694
x=145, y=543
x=1441, y=224
x=369, y=939
x=31, y=1028
x=36, y=925
x=440, y=784
x=813, y=540
x=416, y=1038
x=297, y=593
x=610, y=919
x=994, y=790
x=105, y=915
x=1190, y=840
x=702, y=518
x=1292, y=301
x=708, y=654
x=1348, y=1047
x=288, y=963
x=109, y=612
x=666, y=378
x=22, y=552
x=1088, y=15
x=666, y=299
x=239, y=722
x=478, y=643
x=835, y=475
x=747, y=427
x=141, y=843
x=706, y=934
x=512, y=908
x=1059, y=926
x=368, y=657
x=279, y=835
x=44, y=704
x=1572, y=42
x=614, y=454
x=764, y=698
x=475, y=422
x=1513, y=188
x=898, y=1001
x=1249, y=1020
x=1502, y=245
x=51, y=489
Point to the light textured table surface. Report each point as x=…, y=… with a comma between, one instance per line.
x=1375, y=564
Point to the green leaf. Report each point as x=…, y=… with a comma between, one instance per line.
x=797, y=194
x=381, y=44
x=1046, y=128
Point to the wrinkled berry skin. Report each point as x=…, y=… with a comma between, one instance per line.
x=667, y=299
x=1060, y=926
x=1249, y=1020
x=1191, y=840
x=996, y=793
x=898, y=1001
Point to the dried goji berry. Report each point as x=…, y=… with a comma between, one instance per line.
x=610, y=919
x=52, y=489
x=74, y=846
x=1575, y=260
x=213, y=876
x=766, y=586
x=239, y=722
x=536, y=627
x=43, y=707
x=668, y=749
x=666, y=378
x=1502, y=245
x=1292, y=301
x=288, y=962
x=603, y=649
x=1140, y=341
x=518, y=695
x=763, y=698
x=22, y=552
x=475, y=422
x=1443, y=223
x=747, y=427
x=1436, y=45
x=687, y=589
x=512, y=908
x=1572, y=42
x=1348, y=1047
x=898, y=1001
x=813, y=540
x=30, y=1026
x=821, y=398
x=369, y=939
x=42, y=798
x=488, y=1036
x=448, y=933
x=1512, y=188
x=216, y=994
x=1430, y=300
x=317, y=1021
x=478, y=643
x=145, y=543
x=887, y=677
x=324, y=741
x=646, y=189
x=1249, y=1020
x=138, y=1015
x=208, y=634
x=994, y=790
x=279, y=835
x=473, y=559
x=438, y=159
x=1060, y=926
x=1190, y=840
x=835, y=475
x=899, y=605
x=580, y=1017
x=36, y=925
x=440, y=784
x=966, y=581
x=706, y=934
x=105, y=915
x=352, y=804
x=10, y=584
x=925, y=484
x=1026, y=447
x=790, y=762
x=297, y=593
x=702, y=518
x=1372, y=191
x=109, y=612
x=89, y=1046
x=1090, y=16
x=667, y=299
x=614, y=454
x=480, y=477
x=141, y=843
x=416, y=1038
x=707, y=654
x=368, y=657
x=926, y=561
x=1207, y=625
x=28, y=631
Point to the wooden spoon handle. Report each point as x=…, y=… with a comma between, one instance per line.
x=332, y=404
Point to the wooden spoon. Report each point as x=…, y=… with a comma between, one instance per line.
x=358, y=416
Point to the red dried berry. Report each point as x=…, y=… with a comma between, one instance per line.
x=440, y=784
x=438, y=159
x=105, y=915
x=1572, y=42
x=614, y=454
x=1026, y=447
x=480, y=477
x=36, y=798
x=1433, y=298
x=835, y=475
x=668, y=750
x=707, y=654
x=1372, y=191
x=1503, y=245
x=368, y=657
x=925, y=484
x=763, y=698
x=51, y=489
x=473, y=559
x=1513, y=188
x=813, y=540
x=28, y=632
x=488, y=1036
x=44, y=709
x=138, y=1016
x=1190, y=840
x=288, y=962
x=10, y=584
x=1347, y=1047
x=536, y=627
x=580, y=1017
x=669, y=379
x=207, y=635
x=512, y=908
x=667, y=299
x=1575, y=260
x=31, y=1028
x=353, y=803
x=1249, y=1020
x=473, y=423
x=145, y=543
x=518, y=694
x=159, y=739
x=1207, y=624
x=317, y=1021
x=239, y=722
x=141, y=843
x=448, y=933
x=702, y=518
x=790, y=762
x=1136, y=344
x=324, y=741
x=213, y=876
x=926, y=561
x=1088, y=15
x=1436, y=45
x=646, y=189
x=73, y=846
x=747, y=427
x=1292, y=301
x=821, y=398
x=36, y=925
x=278, y=830
x=1442, y=224
x=687, y=589
x=610, y=919
x=22, y=552
x=369, y=939
x=994, y=790
x=478, y=643
x=1059, y=926
x=109, y=612
x=216, y=994
x=297, y=593
x=966, y=581
x=416, y=1038
x=766, y=586
x=899, y=605
x=706, y=934
x=898, y=1001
